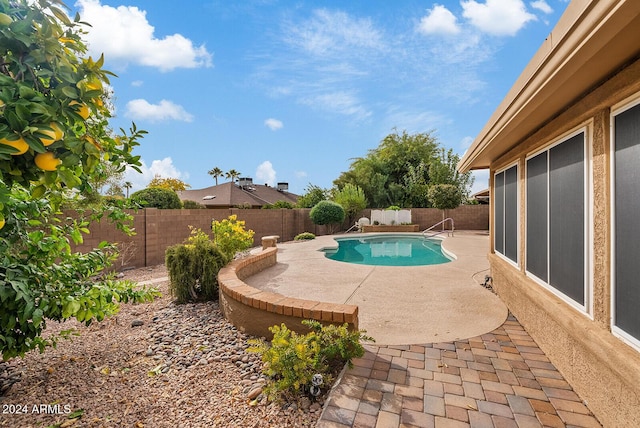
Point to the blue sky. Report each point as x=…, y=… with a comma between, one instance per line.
x=294, y=90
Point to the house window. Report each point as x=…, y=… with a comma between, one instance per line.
x=626, y=228
x=506, y=213
x=556, y=211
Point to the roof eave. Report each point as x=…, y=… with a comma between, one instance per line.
x=592, y=40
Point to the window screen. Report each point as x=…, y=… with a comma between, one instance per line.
x=511, y=213
x=506, y=213
x=555, y=248
x=627, y=226
x=498, y=213
x=566, y=217
x=537, y=211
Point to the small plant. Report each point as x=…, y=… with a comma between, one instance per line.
x=193, y=268
x=292, y=360
x=394, y=208
x=304, y=236
x=230, y=236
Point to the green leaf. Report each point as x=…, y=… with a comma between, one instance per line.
x=38, y=191
x=60, y=15
x=37, y=317
x=70, y=92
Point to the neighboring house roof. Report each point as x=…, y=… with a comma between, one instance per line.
x=482, y=196
x=230, y=195
x=592, y=40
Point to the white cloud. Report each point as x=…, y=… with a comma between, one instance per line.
x=338, y=102
x=497, y=17
x=328, y=32
x=137, y=83
x=414, y=121
x=542, y=6
x=164, y=168
x=165, y=110
x=439, y=20
x=273, y=124
x=466, y=143
x=266, y=173
x=300, y=174
x=124, y=35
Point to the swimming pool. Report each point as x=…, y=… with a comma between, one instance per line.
x=388, y=250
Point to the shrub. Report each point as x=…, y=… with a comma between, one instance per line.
x=192, y=205
x=193, y=268
x=155, y=197
x=394, y=208
x=327, y=213
x=291, y=360
x=352, y=199
x=230, y=236
x=278, y=205
x=304, y=236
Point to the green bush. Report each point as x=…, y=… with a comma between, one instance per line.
x=193, y=268
x=393, y=208
x=192, y=205
x=291, y=360
x=230, y=236
x=352, y=199
x=304, y=236
x=327, y=213
x=155, y=197
x=278, y=205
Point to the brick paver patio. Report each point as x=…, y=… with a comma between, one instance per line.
x=499, y=379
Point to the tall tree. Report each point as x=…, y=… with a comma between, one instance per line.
x=232, y=174
x=215, y=173
x=127, y=185
x=312, y=195
x=382, y=173
x=444, y=170
x=170, y=183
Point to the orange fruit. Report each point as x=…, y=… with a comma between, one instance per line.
x=47, y=161
x=82, y=109
x=2, y=222
x=56, y=133
x=16, y=142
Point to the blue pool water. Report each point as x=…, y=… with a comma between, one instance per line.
x=389, y=251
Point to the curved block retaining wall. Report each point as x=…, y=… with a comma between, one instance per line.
x=253, y=311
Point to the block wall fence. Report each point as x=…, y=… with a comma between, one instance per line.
x=156, y=230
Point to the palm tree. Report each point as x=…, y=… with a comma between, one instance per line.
x=215, y=173
x=232, y=174
x=128, y=185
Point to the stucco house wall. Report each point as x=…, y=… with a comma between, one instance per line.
x=579, y=335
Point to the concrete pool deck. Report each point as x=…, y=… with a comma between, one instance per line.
x=397, y=305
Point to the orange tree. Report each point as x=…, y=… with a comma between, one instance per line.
x=54, y=138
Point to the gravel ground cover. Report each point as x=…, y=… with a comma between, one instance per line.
x=156, y=364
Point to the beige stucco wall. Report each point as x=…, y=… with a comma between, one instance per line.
x=603, y=370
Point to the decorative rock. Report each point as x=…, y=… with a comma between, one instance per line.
x=254, y=393
x=137, y=323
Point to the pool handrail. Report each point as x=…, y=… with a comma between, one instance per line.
x=449, y=232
